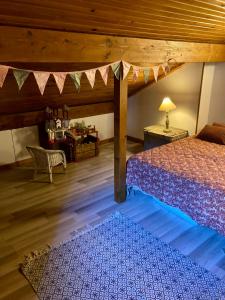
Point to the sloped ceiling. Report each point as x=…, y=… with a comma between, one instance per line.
x=184, y=20
x=29, y=99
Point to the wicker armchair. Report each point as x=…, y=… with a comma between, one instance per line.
x=45, y=160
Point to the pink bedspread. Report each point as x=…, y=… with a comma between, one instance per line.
x=188, y=174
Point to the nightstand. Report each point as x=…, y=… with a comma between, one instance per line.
x=154, y=136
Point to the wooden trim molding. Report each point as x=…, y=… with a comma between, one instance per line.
x=41, y=45
x=18, y=163
x=106, y=141
x=129, y=138
x=21, y=163
x=135, y=140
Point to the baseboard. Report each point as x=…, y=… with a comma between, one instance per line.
x=102, y=142
x=129, y=138
x=135, y=140
x=19, y=163
x=7, y=166
x=110, y=140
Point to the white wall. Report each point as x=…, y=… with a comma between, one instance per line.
x=103, y=123
x=212, y=104
x=206, y=92
x=182, y=86
x=13, y=143
x=23, y=137
x=217, y=102
x=7, y=154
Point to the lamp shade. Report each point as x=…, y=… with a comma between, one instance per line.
x=167, y=105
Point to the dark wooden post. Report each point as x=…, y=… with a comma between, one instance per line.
x=120, y=140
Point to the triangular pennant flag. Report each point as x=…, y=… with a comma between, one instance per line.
x=146, y=72
x=76, y=76
x=135, y=73
x=156, y=72
x=21, y=76
x=116, y=69
x=60, y=78
x=168, y=67
x=3, y=73
x=41, y=78
x=165, y=68
x=104, y=71
x=91, y=76
x=126, y=69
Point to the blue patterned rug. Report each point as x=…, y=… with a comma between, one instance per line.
x=119, y=260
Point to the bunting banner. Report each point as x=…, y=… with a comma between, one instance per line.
x=91, y=76
x=3, y=73
x=156, y=72
x=41, y=78
x=146, y=72
x=118, y=68
x=126, y=69
x=104, y=71
x=135, y=72
x=165, y=68
x=21, y=76
x=60, y=78
x=76, y=76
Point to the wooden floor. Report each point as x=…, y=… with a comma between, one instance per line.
x=33, y=214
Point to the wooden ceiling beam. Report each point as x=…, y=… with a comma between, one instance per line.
x=12, y=121
x=120, y=138
x=37, y=45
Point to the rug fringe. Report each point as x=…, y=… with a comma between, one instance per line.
x=34, y=255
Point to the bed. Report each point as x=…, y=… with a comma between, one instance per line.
x=188, y=174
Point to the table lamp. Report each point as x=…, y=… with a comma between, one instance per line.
x=167, y=105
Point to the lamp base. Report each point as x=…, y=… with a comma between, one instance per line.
x=167, y=123
x=167, y=130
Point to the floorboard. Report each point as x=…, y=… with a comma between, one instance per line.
x=34, y=214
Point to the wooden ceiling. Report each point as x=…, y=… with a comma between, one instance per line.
x=184, y=20
x=51, y=32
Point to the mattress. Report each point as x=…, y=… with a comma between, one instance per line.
x=188, y=174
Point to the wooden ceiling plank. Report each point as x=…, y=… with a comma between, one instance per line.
x=144, y=23
x=146, y=7
x=192, y=31
x=185, y=6
x=201, y=6
x=60, y=12
x=212, y=33
x=57, y=13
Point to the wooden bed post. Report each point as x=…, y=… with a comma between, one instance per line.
x=120, y=138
